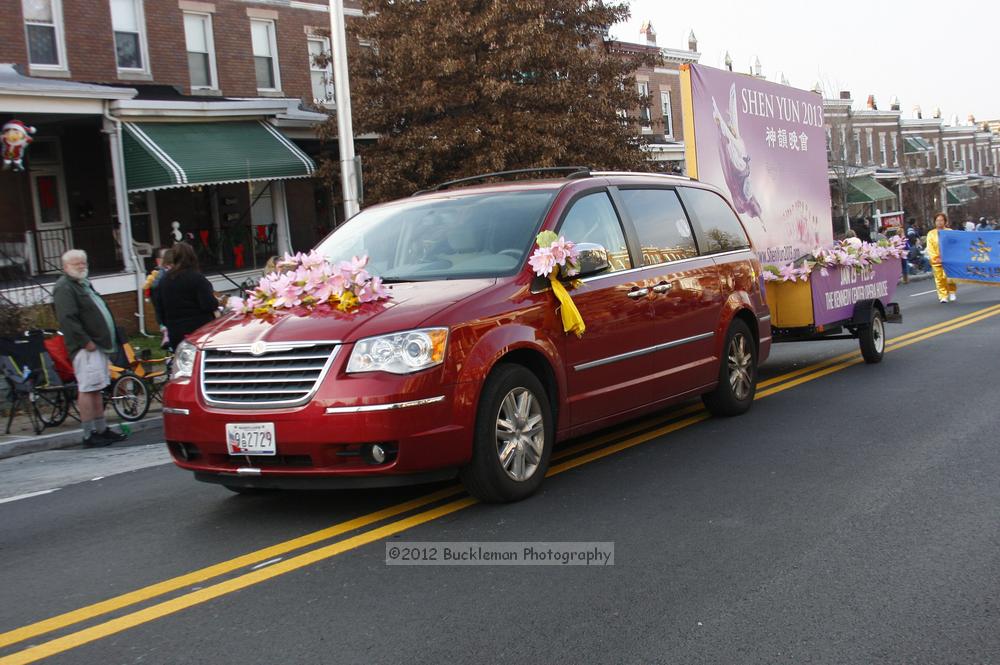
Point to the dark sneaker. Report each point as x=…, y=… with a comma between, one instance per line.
x=95, y=440
x=111, y=436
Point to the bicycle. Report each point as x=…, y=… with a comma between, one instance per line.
x=134, y=384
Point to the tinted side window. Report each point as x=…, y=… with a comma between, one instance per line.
x=663, y=228
x=721, y=231
x=592, y=218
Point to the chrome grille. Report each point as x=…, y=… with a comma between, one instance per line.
x=280, y=374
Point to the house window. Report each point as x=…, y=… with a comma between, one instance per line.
x=129, y=25
x=882, y=149
x=200, y=50
x=895, y=150
x=43, y=27
x=857, y=147
x=265, y=54
x=645, y=116
x=829, y=143
x=321, y=69
x=668, y=116
x=843, y=143
x=871, y=147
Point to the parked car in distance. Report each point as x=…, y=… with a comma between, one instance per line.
x=465, y=370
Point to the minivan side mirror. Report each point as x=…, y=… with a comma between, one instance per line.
x=593, y=259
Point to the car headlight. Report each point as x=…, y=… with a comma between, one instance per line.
x=399, y=353
x=182, y=365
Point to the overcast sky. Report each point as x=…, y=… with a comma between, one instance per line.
x=930, y=54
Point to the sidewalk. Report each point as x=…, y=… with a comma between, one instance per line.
x=22, y=440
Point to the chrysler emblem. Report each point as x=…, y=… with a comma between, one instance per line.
x=258, y=348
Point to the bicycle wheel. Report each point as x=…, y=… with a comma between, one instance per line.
x=129, y=397
x=50, y=405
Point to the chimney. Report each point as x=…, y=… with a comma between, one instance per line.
x=729, y=61
x=937, y=113
x=647, y=32
x=692, y=42
x=818, y=88
x=894, y=103
x=917, y=113
x=845, y=95
x=756, y=66
x=972, y=119
x=872, y=106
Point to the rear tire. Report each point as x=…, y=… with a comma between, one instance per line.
x=51, y=406
x=737, y=373
x=871, y=339
x=513, y=437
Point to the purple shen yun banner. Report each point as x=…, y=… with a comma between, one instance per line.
x=764, y=146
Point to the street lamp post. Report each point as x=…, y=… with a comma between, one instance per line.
x=342, y=97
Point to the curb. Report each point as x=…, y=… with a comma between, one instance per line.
x=59, y=440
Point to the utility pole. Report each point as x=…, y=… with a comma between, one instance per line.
x=342, y=97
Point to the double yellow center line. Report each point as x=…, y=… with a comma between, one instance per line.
x=563, y=460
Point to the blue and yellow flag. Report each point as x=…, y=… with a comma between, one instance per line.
x=971, y=256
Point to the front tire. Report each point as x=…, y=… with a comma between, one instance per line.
x=737, y=373
x=871, y=339
x=513, y=438
x=129, y=397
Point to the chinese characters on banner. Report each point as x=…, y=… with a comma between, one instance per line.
x=760, y=143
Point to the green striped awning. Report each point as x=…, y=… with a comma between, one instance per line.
x=162, y=155
x=915, y=144
x=865, y=189
x=960, y=195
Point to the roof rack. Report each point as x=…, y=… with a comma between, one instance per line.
x=570, y=171
x=641, y=173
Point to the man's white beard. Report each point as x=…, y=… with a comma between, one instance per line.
x=77, y=274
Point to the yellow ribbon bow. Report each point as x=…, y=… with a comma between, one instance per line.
x=572, y=321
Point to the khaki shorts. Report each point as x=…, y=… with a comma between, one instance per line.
x=91, y=369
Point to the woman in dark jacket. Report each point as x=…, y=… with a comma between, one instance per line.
x=185, y=295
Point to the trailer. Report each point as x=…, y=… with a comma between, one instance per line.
x=846, y=303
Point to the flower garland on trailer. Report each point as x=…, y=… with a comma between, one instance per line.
x=311, y=282
x=555, y=254
x=851, y=253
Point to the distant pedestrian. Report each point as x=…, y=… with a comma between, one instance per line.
x=970, y=225
x=982, y=225
x=946, y=288
x=165, y=261
x=89, y=332
x=187, y=300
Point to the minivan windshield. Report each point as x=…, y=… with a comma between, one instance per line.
x=472, y=235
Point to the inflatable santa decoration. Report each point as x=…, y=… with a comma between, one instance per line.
x=15, y=138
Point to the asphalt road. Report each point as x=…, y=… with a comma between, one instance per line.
x=853, y=516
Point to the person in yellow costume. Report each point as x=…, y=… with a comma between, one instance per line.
x=946, y=288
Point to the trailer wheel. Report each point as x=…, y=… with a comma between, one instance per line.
x=871, y=339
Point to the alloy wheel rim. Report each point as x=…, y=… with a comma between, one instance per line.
x=520, y=434
x=878, y=334
x=740, y=361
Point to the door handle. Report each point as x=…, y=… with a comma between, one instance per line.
x=637, y=293
x=662, y=287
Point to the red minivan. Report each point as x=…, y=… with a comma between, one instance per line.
x=465, y=370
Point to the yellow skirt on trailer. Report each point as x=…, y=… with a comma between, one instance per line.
x=791, y=304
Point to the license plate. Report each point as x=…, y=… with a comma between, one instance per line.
x=250, y=439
